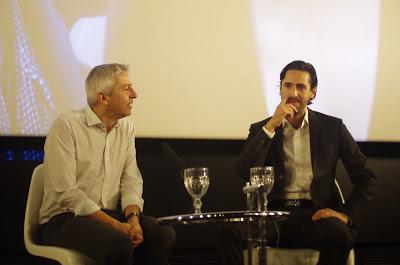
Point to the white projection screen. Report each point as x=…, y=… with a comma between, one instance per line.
x=202, y=69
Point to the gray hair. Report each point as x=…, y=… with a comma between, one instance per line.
x=101, y=79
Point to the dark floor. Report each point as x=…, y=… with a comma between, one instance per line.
x=371, y=254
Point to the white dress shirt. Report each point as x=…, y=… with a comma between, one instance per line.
x=87, y=169
x=297, y=163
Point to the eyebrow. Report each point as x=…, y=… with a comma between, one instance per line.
x=295, y=84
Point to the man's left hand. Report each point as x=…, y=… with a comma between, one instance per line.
x=136, y=231
x=327, y=212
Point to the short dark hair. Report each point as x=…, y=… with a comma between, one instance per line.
x=301, y=66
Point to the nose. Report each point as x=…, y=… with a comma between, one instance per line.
x=133, y=93
x=293, y=92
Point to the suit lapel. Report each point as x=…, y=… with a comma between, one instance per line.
x=315, y=128
x=279, y=161
x=279, y=143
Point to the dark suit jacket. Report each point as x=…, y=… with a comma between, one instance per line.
x=329, y=141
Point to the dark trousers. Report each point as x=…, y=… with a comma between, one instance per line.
x=330, y=236
x=107, y=245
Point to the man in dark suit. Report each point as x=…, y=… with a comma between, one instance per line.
x=304, y=147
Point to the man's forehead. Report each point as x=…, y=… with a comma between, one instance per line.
x=122, y=78
x=297, y=76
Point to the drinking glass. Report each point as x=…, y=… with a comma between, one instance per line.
x=196, y=183
x=262, y=176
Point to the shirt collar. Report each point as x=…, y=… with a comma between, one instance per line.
x=92, y=119
x=286, y=124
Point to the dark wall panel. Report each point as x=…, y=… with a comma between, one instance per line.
x=165, y=194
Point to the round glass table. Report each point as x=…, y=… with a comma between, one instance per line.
x=223, y=217
x=250, y=217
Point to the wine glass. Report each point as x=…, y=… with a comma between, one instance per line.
x=196, y=183
x=262, y=176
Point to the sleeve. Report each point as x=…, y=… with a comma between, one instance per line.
x=60, y=169
x=131, y=179
x=270, y=134
x=363, y=179
x=257, y=146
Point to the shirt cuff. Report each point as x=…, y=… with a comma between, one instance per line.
x=270, y=134
x=132, y=200
x=85, y=208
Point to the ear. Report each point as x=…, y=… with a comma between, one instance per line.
x=102, y=98
x=313, y=92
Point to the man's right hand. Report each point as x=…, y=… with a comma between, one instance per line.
x=282, y=111
x=132, y=231
x=124, y=228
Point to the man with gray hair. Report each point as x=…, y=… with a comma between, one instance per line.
x=92, y=185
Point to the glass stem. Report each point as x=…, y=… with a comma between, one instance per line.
x=265, y=202
x=197, y=205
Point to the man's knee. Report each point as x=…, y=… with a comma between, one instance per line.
x=117, y=249
x=338, y=233
x=167, y=234
x=119, y=245
x=159, y=235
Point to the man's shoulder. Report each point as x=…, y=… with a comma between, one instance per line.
x=126, y=124
x=322, y=117
x=260, y=123
x=72, y=115
x=69, y=118
x=313, y=115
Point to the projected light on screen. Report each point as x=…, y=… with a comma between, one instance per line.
x=5, y=127
x=340, y=38
x=33, y=99
x=202, y=69
x=87, y=40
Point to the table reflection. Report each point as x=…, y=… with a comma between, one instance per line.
x=224, y=217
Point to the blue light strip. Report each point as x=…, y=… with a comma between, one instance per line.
x=21, y=155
